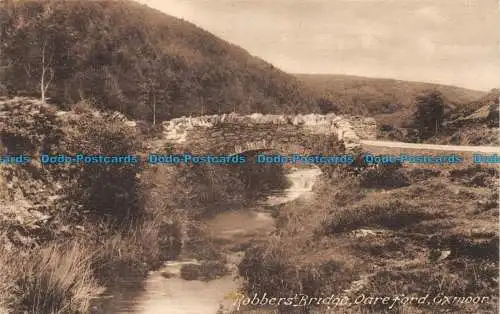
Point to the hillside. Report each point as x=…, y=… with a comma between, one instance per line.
x=129, y=57
x=69, y=229
x=475, y=124
x=389, y=101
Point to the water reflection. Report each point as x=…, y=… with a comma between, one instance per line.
x=174, y=295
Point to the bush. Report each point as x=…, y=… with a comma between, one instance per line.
x=82, y=107
x=393, y=214
x=207, y=270
x=475, y=175
x=142, y=246
x=429, y=114
x=384, y=176
x=29, y=127
x=211, y=188
x=463, y=279
x=274, y=269
x=269, y=269
x=422, y=174
x=104, y=190
x=191, y=272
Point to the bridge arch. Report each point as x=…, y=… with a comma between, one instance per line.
x=274, y=145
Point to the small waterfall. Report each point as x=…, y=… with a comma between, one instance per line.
x=228, y=230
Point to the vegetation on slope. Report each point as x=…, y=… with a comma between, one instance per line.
x=435, y=233
x=128, y=57
x=388, y=100
x=100, y=221
x=466, y=117
x=477, y=124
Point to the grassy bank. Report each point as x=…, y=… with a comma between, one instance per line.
x=52, y=279
x=70, y=230
x=435, y=232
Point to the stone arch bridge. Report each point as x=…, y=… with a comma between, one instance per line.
x=287, y=134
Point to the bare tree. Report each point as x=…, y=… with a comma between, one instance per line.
x=149, y=96
x=47, y=72
x=152, y=87
x=154, y=107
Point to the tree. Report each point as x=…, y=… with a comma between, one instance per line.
x=29, y=47
x=153, y=87
x=151, y=90
x=47, y=74
x=429, y=114
x=327, y=106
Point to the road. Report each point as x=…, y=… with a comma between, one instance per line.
x=455, y=148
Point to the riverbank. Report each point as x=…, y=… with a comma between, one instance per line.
x=70, y=230
x=198, y=282
x=423, y=231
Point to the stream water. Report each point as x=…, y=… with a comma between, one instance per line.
x=174, y=295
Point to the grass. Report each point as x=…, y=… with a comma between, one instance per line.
x=392, y=213
x=473, y=280
x=388, y=240
x=64, y=278
x=386, y=176
x=390, y=101
x=127, y=253
x=392, y=104
x=56, y=279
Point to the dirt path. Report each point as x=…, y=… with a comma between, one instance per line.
x=456, y=148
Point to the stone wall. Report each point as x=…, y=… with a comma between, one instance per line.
x=231, y=133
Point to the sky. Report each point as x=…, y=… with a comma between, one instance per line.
x=455, y=42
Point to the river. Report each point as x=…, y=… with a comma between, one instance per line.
x=229, y=230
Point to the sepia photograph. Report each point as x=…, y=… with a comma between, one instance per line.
x=249, y=156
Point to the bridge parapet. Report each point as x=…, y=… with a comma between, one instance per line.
x=218, y=132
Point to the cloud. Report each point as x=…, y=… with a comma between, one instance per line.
x=431, y=14
x=424, y=40
x=426, y=45
x=370, y=40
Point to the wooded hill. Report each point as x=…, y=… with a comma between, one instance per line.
x=125, y=56
x=121, y=55
x=390, y=101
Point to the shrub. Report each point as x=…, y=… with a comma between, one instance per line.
x=463, y=279
x=82, y=107
x=429, y=114
x=207, y=270
x=422, y=174
x=191, y=272
x=394, y=214
x=29, y=127
x=104, y=190
x=274, y=269
x=384, y=176
x=213, y=270
x=130, y=252
x=269, y=269
x=475, y=175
